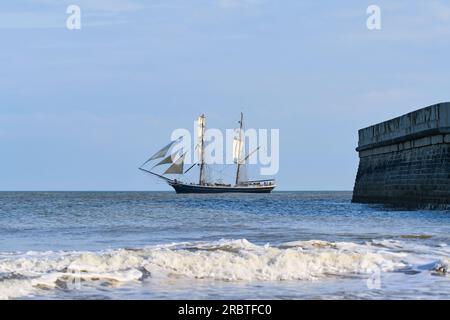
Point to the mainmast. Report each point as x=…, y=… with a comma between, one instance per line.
x=201, y=134
x=239, y=148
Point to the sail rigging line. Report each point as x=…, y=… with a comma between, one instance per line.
x=261, y=180
x=190, y=168
x=250, y=154
x=155, y=174
x=221, y=172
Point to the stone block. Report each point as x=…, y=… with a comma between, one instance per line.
x=437, y=139
x=447, y=138
x=422, y=142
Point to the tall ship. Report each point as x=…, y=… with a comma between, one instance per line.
x=176, y=160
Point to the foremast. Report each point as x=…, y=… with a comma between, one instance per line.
x=238, y=149
x=201, y=145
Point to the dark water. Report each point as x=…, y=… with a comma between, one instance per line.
x=159, y=245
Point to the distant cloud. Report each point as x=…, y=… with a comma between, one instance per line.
x=239, y=3
x=96, y=5
x=52, y=14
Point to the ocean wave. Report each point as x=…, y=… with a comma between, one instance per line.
x=227, y=260
x=442, y=267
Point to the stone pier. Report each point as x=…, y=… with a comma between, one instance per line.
x=406, y=161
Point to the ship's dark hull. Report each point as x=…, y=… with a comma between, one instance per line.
x=192, y=188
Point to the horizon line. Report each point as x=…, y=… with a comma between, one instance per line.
x=171, y=191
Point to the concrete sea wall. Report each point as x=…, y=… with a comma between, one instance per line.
x=406, y=160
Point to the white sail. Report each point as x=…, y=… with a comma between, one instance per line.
x=200, y=131
x=237, y=147
x=177, y=167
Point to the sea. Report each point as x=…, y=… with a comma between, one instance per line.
x=160, y=245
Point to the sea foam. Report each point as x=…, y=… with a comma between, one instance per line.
x=227, y=260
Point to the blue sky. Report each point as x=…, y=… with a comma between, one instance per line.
x=80, y=110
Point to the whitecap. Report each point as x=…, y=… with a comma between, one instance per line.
x=226, y=260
